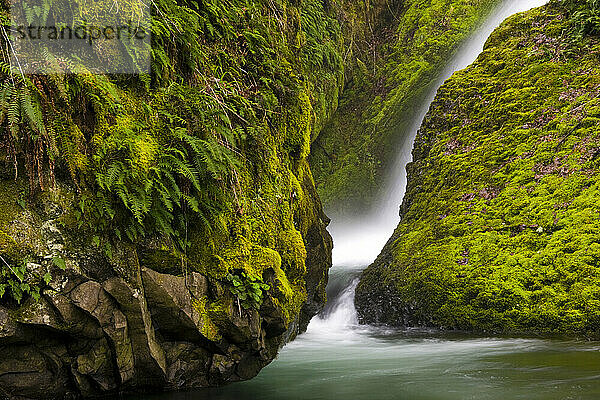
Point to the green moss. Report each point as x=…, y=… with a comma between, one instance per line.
x=163, y=260
x=253, y=260
x=501, y=219
x=9, y=210
x=290, y=246
x=207, y=312
x=202, y=167
x=299, y=127
x=288, y=296
x=390, y=71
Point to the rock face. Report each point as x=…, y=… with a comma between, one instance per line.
x=103, y=328
x=499, y=227
x=164, y=232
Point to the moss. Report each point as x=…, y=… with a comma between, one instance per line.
x=299, y=127
x=207, y=311
x=499, y=226
x=288, y=296
x=19, y=235
x=163, y=260
x=203, y=167
x=9, y=209
x=388, y=74
x=10, y=193
x=252, y=259
x=290, y=246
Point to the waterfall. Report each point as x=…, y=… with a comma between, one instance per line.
x=358, y=242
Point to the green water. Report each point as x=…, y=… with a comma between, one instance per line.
x=375, y=365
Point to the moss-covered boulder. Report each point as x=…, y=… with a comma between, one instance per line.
x=500, y=228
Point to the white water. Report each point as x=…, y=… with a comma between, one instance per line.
x=358, y=242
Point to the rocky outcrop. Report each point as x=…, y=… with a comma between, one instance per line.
x=115, y=325
x=91, y=337
x=163, y=231
x=499, y=229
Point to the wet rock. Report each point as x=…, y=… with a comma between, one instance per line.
x=8, y=327
x=148, y=356
x=26, y=372
x=188, y=365
x=92, y=298
x=171, y=302
x=96, y=365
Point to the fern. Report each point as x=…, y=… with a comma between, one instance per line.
x=149, y=154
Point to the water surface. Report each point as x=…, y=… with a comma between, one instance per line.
x=339, y=359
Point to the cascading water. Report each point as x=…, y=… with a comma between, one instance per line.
x=338, y=359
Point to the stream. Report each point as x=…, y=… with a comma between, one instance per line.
x=338, y=359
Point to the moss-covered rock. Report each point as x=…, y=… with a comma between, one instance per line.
x=109, y=323
x=500, y=223
x=392, y=57
x=145, y=195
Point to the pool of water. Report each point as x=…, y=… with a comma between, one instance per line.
x=366, y=364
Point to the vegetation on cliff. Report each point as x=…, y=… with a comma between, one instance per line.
x=390, y=68
x=500, y=223
x=197, y=171
x=216, y=138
